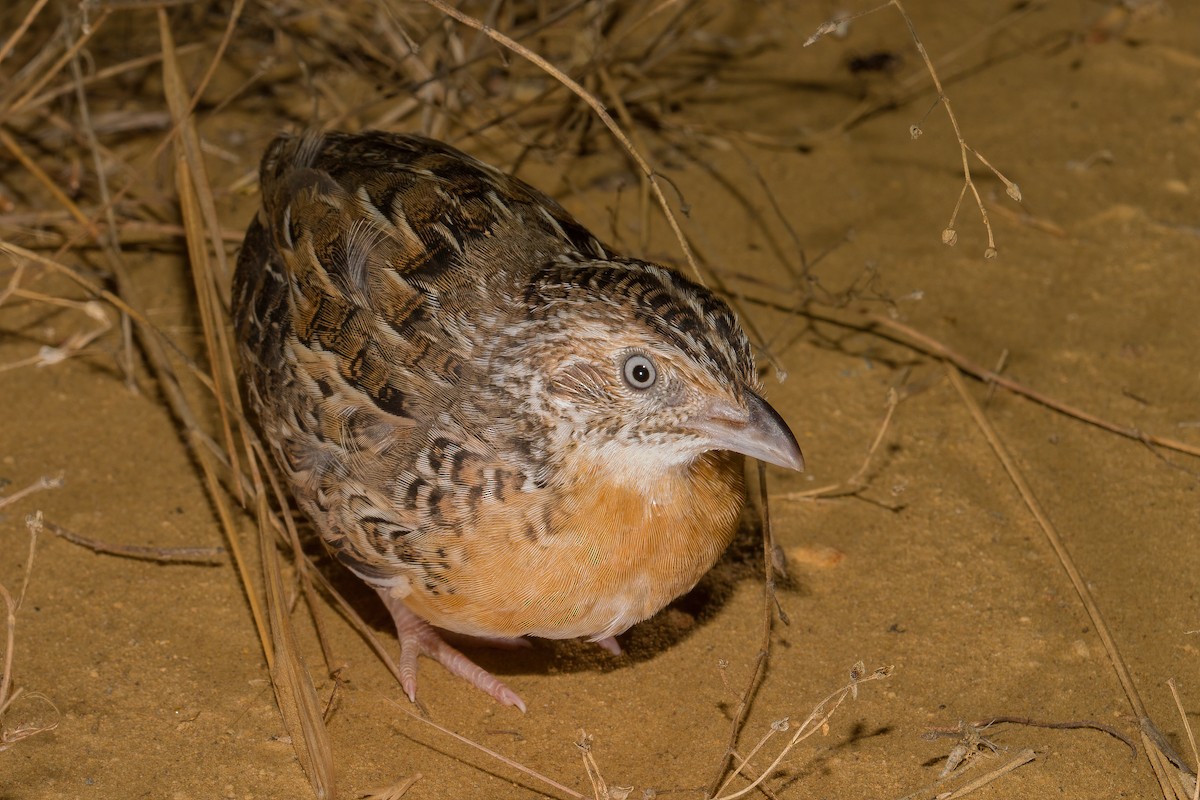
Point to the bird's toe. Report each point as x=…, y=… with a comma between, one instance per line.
x=418, y=637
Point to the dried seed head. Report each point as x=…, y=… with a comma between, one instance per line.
x=825, y=28
x=950, y=237
x=915, y=131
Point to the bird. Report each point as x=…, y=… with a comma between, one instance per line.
x=502, y=426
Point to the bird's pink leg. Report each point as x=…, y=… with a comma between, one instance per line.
x=610, y=644
x=418, y=637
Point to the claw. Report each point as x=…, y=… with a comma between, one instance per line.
x=418, y=637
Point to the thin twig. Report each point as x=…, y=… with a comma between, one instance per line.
x=1055, y=541
x=1187, y=726
x=16, y=35
x=1022, y=758
x=820, y=714
x=396, y=791
x=44, y=482
x=595, y=105
x=8, y=736
x=987, y=722
x=501, y=758
x=949, y=235
x=855, y=482
x=163, y=555
x=764, y=644
x=913, y=339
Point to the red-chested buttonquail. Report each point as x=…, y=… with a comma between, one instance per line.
x=499, y=424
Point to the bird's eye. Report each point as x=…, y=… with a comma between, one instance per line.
x=639, y=372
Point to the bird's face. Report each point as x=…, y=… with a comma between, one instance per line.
x=640, y=371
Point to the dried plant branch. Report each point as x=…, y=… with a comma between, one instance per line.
x=161, y=555
x=66, y=58
x=395, y=791
x=294, y=691
x=600, y=788
x=524, y=770
x=295, y=694
x=1008, y=719
x=856, y=482
x=16, y=35
x=44, y=482
x=596, y=107
x=1187, y=726
x=949, y=234
x=1055, y=541
x=1186, y=775
x=815, y=721
x=111, y=242
x=1021, y=759
x=910, y=337
x=764, y=646
x=8, y=696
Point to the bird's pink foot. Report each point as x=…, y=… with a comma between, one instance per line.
x=418, y=637
x=610, y=644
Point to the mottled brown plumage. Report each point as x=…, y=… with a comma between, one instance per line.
x=499, y=424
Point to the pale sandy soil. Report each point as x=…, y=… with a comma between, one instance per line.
x=157, y=673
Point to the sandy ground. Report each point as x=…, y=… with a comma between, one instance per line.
x=936, y=567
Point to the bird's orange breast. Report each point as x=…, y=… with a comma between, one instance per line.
x=609, y=553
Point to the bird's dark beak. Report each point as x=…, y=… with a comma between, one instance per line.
x=756, y=430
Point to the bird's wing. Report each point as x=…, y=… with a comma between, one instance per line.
x=362, y=291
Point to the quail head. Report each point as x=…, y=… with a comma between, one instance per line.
x=503, y=427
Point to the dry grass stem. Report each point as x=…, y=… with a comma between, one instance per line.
x=950, y=234
x=1169, y=768
x=101, y=75
x=48, y=75
x=988, y=722
x=75, y=344
x=503, y=759
x=41, y=484
x=600, y=788
x=163, y=555
x=815, y=721
x=396, y=790
x=9, y=696
x=48, y=183
x=770, y=605
x=596, y=106
x=295, y=694
x=856, y=482
x=1064, y=557
x=1187, y=775
x=16, y=35
x=910, y=337
x=1021, y=759
x=93, y=288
